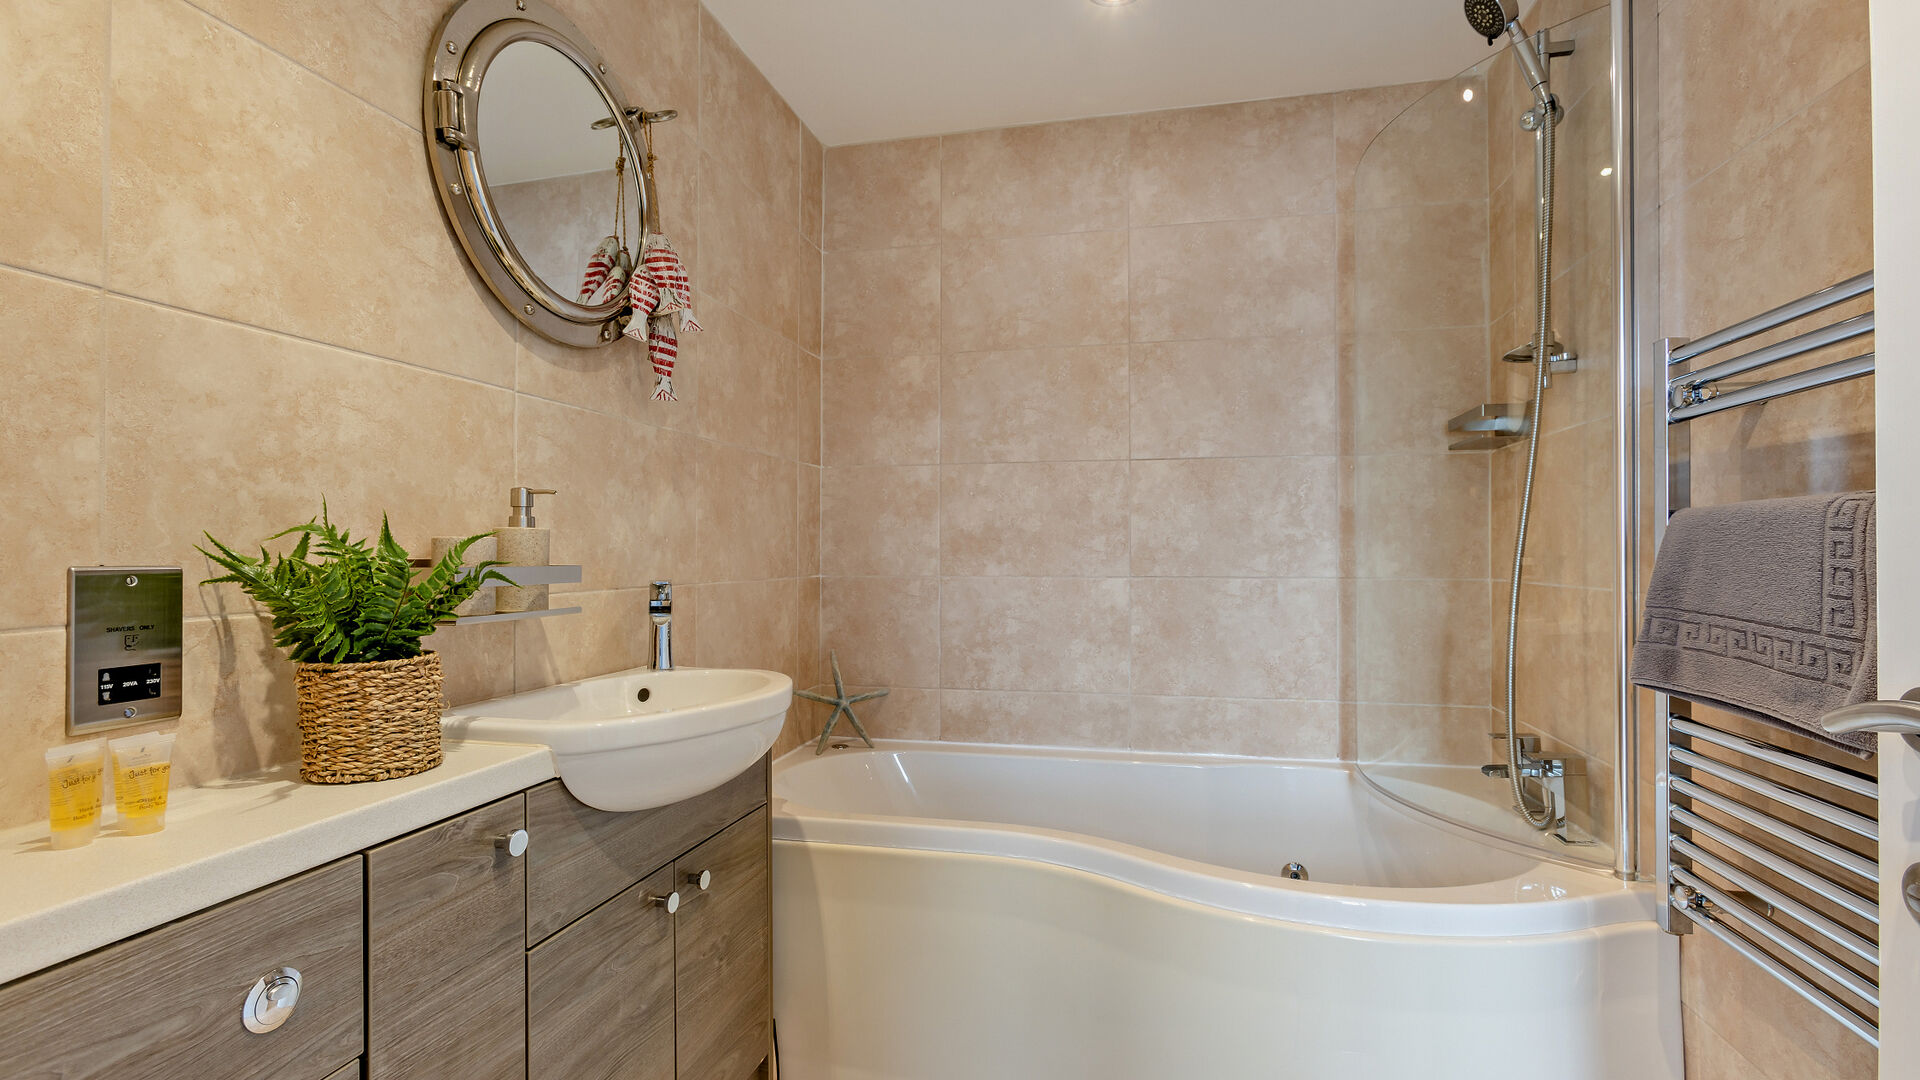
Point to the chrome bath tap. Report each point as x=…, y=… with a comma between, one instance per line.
x=660, y=609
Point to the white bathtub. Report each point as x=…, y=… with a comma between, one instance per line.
x=1002, y=914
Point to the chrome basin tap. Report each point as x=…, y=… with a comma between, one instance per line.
x=660, y=609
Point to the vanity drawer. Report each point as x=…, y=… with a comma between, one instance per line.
x=167, y=1005
x=580, y=857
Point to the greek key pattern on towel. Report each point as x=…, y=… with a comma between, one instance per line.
x=1832, y=656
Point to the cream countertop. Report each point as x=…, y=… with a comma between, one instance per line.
x=222, y=840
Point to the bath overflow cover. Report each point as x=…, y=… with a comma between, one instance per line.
x=1296, y=871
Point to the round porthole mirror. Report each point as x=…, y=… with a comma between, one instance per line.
x=535, y=155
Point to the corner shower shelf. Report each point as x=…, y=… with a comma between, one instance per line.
x=1488, y=427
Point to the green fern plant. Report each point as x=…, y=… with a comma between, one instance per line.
x=335, y=599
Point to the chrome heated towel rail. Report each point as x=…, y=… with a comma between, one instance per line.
x=1765, y=841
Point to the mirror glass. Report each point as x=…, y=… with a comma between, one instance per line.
x=557, y=173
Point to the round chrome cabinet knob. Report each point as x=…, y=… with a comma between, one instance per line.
x=514, y=843
x=270, y=1003
x=702, y=880
x=671, y=901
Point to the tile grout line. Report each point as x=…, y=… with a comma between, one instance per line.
x=258, y=43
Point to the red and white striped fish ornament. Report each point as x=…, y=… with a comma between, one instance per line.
x=599, y=268
x=661, y=291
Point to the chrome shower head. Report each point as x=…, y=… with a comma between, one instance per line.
x=1490, y=18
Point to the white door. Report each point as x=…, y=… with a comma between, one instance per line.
x=1896, y=209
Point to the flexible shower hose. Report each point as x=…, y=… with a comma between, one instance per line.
x=1542, y=361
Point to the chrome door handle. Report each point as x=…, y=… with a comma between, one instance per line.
x=1894, y=717
x=514, y=843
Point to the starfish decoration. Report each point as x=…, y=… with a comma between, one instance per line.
x=842, y=703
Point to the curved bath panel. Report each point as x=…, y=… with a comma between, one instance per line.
x=994, y=942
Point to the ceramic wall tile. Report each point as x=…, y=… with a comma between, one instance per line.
x=813, y=174
x=883, y=303
x=883, y=195
x=35, y=662
x=51, y=136
x=746, y=126
x=1236, y=517
x=624, y=489
x=206, y=215
x=277, y=424
x=1256, y=159
x=1028, y=719
x=55, y=340
x=1252, y=279
x=880, y=521
x=747, y=247
x=747, y=377
x=1423, y=642
x=1043, y=518
x=1034, y=291
x=611, y=633
x=1257, y=397
x=1035, y=179
x=1247, y=638
x=1033, y=405
x=887, y=410
x=743, y=507
x=1422, y=515
x=1066, y=634
x=886, y=630
x=1282, y=729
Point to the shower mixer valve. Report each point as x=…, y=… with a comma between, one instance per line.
x=1549, y=774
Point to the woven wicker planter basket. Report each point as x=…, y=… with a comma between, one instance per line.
x=373, y=721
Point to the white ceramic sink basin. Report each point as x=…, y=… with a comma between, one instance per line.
x=638, y=739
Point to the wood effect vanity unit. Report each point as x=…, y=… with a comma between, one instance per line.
x=442, y=955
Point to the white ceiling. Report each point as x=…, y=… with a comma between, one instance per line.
x=864, y=70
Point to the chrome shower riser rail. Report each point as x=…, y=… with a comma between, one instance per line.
x=1759, y=911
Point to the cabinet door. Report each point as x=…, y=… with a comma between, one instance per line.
x=446, y=951
x=167, y=1005
x=585, y=856
x=724, y=989
x=600, y=992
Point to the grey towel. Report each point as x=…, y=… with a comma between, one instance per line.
x=1766, y=609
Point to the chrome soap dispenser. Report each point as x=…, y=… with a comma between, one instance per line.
x=521, y=544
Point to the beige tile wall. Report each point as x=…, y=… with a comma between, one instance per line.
x=1083, y=477
x=1764, y=179
x=227, y=290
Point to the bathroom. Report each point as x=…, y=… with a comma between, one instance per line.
x=1092, y=389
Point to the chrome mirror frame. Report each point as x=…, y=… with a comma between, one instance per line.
x=469, y=39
